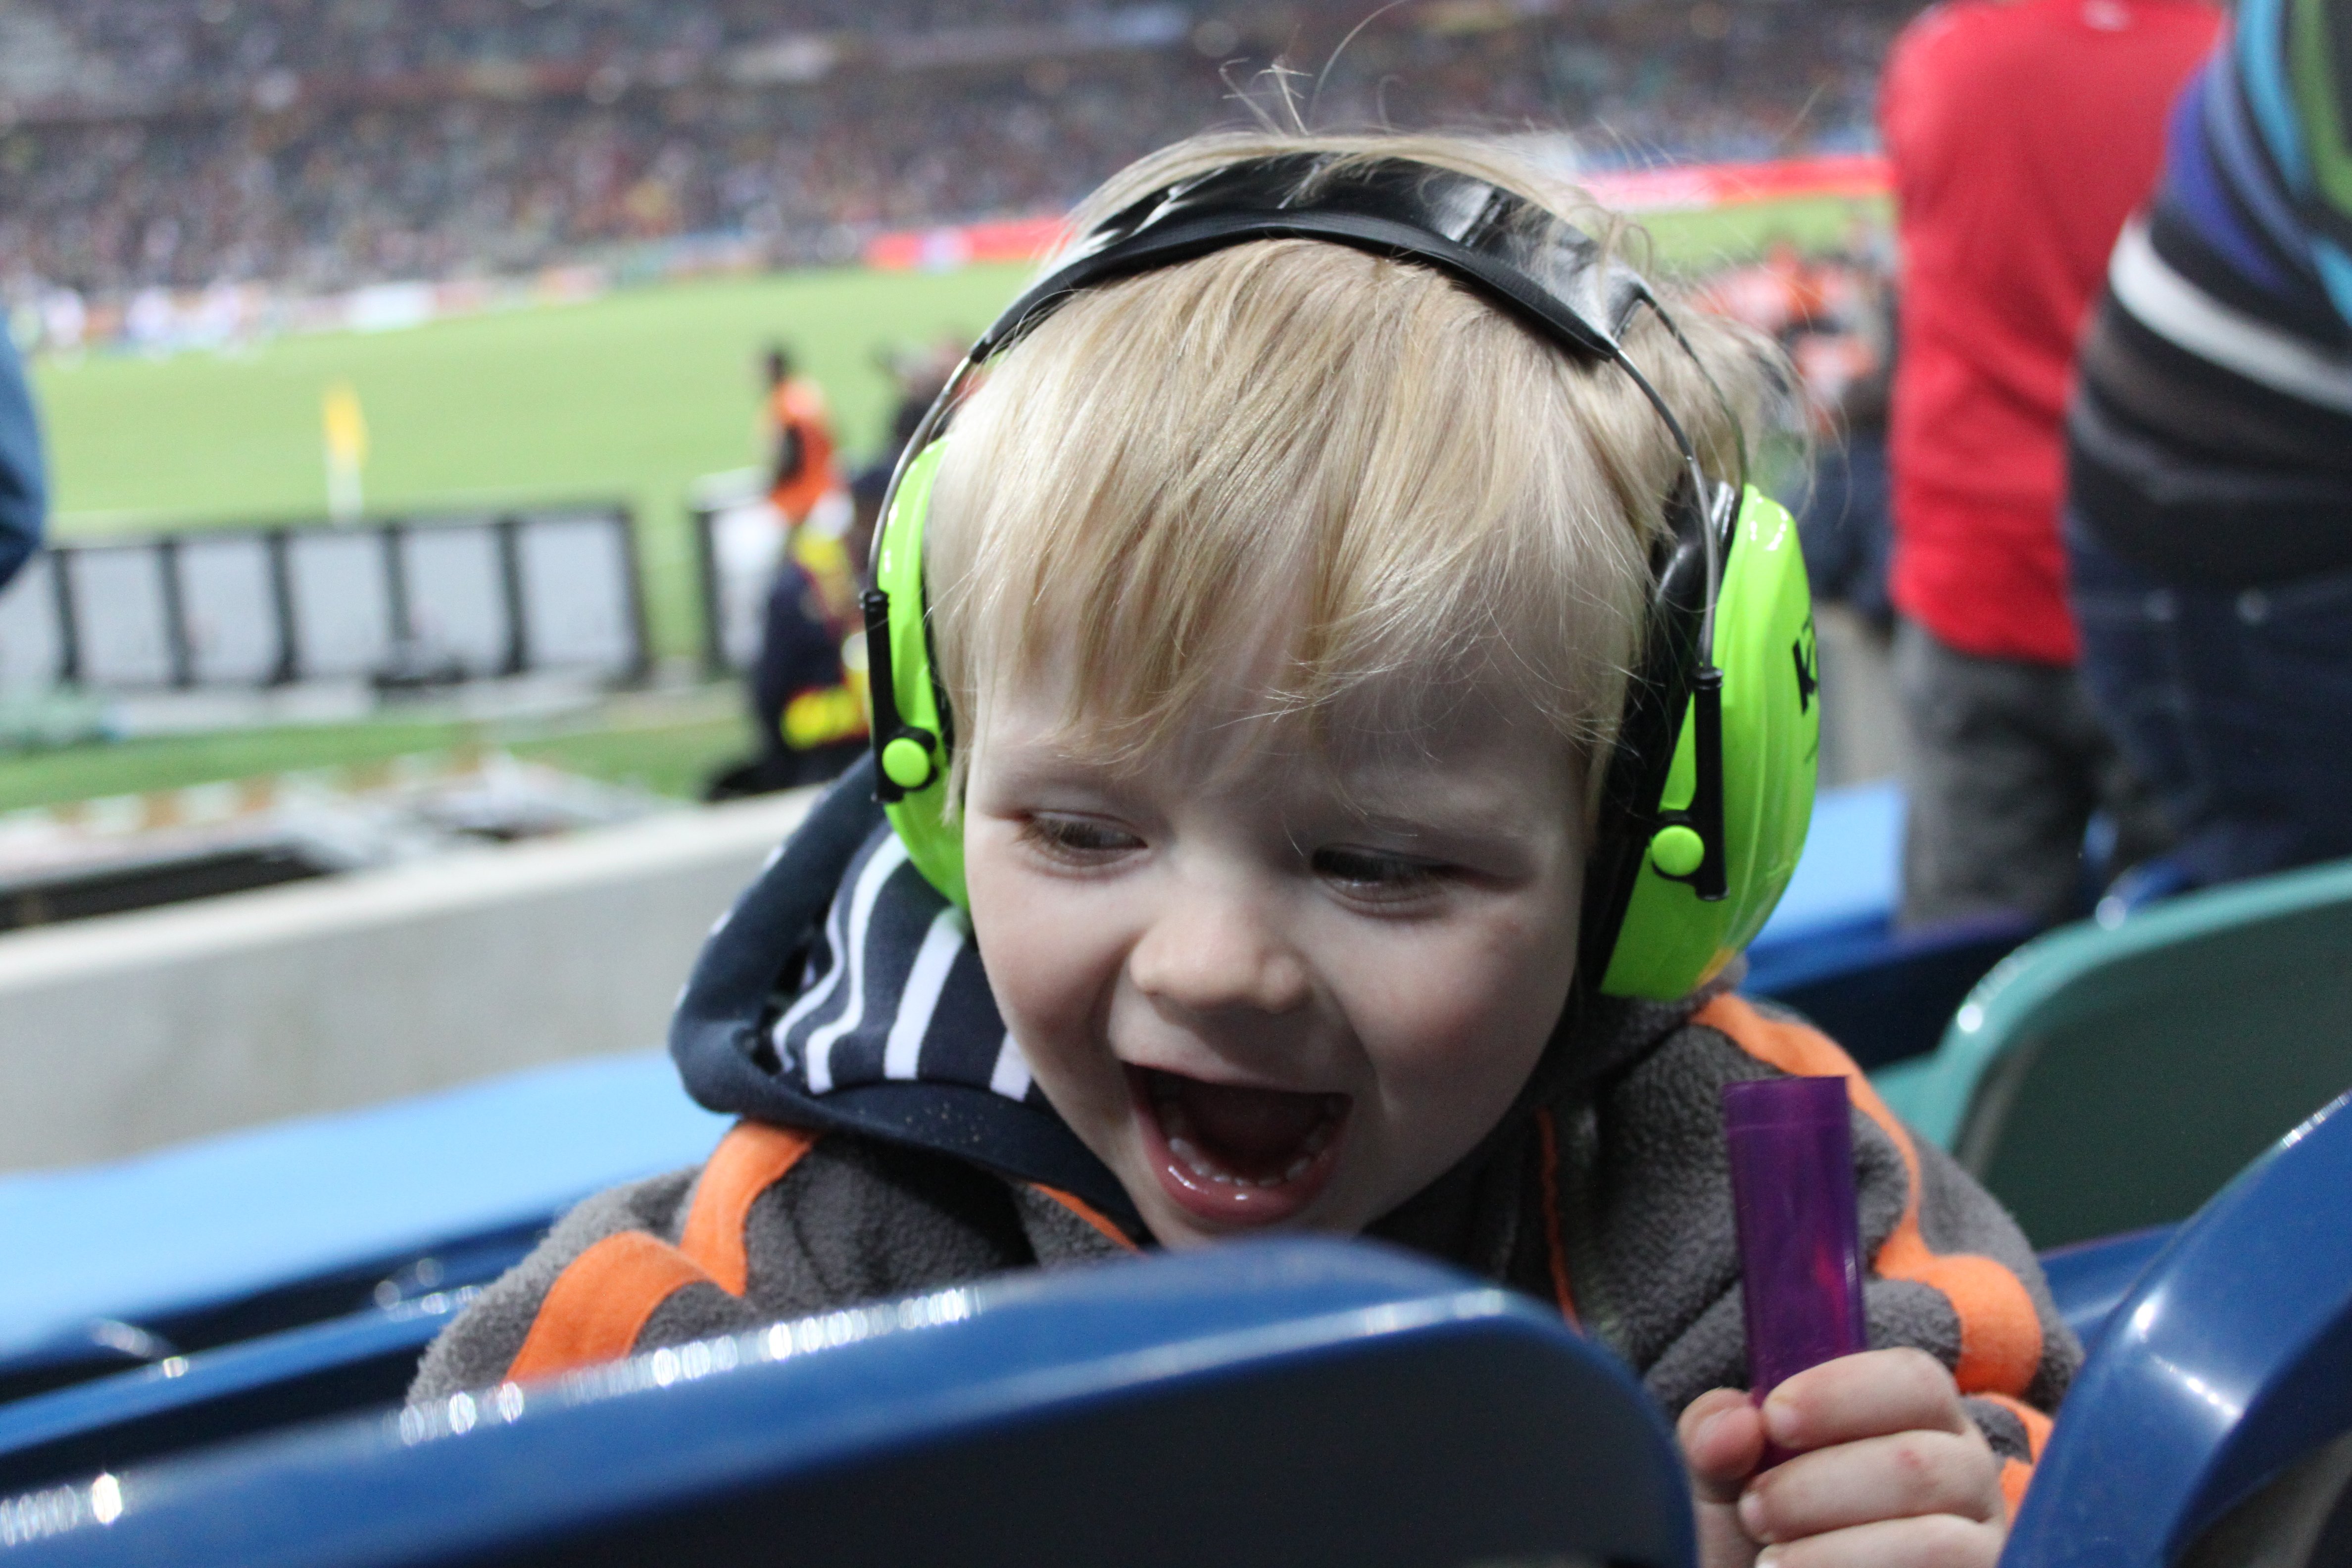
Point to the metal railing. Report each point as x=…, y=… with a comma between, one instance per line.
x=405, y=600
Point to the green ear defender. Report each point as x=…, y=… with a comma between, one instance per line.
x=910, y=720
x=1710, y=787
x=1666, y=938
x=1669, y=939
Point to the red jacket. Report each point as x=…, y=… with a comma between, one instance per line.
x=2022, y=132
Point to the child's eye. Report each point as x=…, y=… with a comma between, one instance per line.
x=1368, y=873
x=1077, y=837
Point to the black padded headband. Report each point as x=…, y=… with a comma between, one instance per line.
x=1526, y=260
x=1543, y=271
x=1497, y=243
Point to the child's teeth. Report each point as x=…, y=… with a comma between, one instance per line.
x=1183, y=1149
x=1178, y=1129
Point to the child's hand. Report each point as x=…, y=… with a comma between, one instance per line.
x=1888, y=1469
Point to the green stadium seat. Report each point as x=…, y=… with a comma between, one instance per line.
x=2107, y=1078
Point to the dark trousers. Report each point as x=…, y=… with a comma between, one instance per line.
x=2235, y=704
x=2006, y=764
x=1844, y=526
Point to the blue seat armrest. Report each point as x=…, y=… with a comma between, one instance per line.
x=2089, y=1277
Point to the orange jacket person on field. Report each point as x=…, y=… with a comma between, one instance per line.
x=805, y=472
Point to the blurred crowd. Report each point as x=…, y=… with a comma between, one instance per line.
x=328, y=143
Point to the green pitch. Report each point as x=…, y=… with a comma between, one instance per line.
x=632, y=395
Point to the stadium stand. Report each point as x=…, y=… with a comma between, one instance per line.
x=324, y=143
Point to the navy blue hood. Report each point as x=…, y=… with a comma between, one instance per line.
x=842, y=992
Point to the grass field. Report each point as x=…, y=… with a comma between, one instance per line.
x=667, y=744
x=632, y=395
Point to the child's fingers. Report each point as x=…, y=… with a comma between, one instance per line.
x=1906, y=1476
x=1940, y=1540
x=1865, y=1395
x=1722, y=1439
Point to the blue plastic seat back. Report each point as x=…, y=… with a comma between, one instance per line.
x=1884, y=995
x=2089, y=1280
x=1278, y=1403
x=2225, y=1374
x=360, y=1362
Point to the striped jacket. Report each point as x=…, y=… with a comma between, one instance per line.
x=2210, y=440
x=892, y=1142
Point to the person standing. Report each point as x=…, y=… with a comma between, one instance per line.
x=2210, y=448
x=803, y=473
x=2021, y=135
x=807, y=710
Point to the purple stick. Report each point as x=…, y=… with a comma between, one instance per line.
x=1791, y=1145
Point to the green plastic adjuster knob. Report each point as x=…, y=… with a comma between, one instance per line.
x=907, y=762
x=1677, y=851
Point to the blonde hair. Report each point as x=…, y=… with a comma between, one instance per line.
x=1356, y=445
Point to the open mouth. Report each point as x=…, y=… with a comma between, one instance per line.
x=1236, y=1155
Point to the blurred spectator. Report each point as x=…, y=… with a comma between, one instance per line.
x=803, y=475
x=24, y=491
x=809, y=716
x=182, y=144
x=1834, y=315
x=2212, y=457
x=2022, y=136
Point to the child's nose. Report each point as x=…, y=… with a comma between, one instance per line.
x=1219, y=949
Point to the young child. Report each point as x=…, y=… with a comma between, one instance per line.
x=1282, y=600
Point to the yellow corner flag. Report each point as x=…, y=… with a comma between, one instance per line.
x=347, y=445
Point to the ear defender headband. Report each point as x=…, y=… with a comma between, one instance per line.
x=1710, y=787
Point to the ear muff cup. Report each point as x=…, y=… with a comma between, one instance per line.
x=914, y=759
x=1670, y=941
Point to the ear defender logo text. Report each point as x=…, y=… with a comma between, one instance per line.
x=1809, y=667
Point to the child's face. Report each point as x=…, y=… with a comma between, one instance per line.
x=1272, y=985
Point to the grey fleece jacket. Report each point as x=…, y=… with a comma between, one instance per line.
x=1605, y=1190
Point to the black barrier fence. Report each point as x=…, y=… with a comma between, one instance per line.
x=397, y=601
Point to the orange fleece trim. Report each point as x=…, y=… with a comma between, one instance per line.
x=1088, y=1213
x=2036, y=1423
x=2000, y=1332
x=752, y=1158
x=2016, y=1474
x=600, y=1303
x=1548, y=1139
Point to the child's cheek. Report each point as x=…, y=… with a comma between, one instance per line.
x=1049, y=966
x=1455, y=1027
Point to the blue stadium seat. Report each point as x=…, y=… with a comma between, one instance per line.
x=262, y=1231
x=1832, y=952
x=1280, y=1402
x=362, y=1361
x=2210, y=1428
x=1884, y=995
x=2090, y=1278
x=365, y=1361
